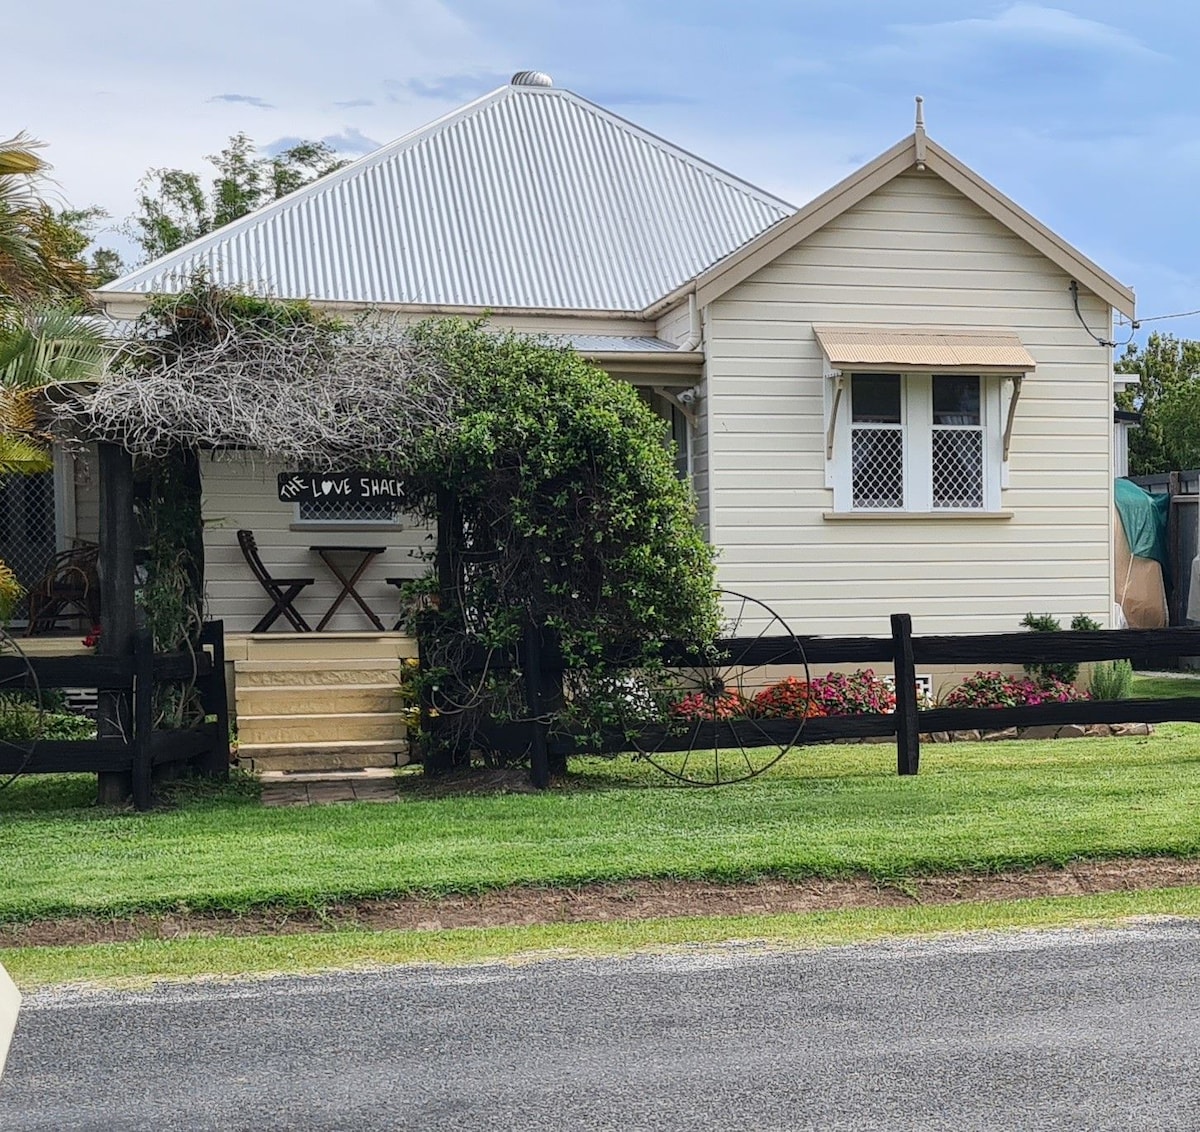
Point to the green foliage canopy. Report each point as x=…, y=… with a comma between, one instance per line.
x=567, y=508
x=174, y=207
x=1168, y=397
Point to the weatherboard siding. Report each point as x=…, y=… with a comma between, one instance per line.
x=241, y=492
x=913, y=253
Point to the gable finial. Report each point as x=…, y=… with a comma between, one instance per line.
x=919, y=134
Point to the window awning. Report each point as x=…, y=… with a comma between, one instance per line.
x=887, y=348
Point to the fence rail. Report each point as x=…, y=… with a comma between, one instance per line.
x=129, y=682
x=907, y=723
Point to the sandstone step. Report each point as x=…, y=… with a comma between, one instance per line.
x=316, y=699
x=315, y=757
x=326, y=646
x=316, y=673
x=324, y=728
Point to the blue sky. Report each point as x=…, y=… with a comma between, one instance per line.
x=1087, y=114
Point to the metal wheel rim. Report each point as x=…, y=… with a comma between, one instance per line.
x=710, y=764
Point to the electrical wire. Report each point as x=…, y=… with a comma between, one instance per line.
x=1100, y=341
x=1160, y=317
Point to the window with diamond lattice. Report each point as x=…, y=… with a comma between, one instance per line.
x=346, y=511
x=877, y=441
x=956, y=446
x=918, y=443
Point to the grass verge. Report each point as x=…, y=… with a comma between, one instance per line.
x=827, y=812
x=148, y=961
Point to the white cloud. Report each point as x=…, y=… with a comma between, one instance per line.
x=245, y=99
x=1021, y=23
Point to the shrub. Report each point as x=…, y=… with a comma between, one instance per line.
x=860, y=693
x=992, y=690
x=21, y=722
x=1112, y=680
x=788, y=699
x=1045, y=623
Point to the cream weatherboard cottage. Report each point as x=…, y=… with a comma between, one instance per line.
x=894, y=399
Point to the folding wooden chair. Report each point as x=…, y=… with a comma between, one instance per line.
x=282, y=591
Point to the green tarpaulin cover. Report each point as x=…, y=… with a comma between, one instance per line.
x=1144, y=517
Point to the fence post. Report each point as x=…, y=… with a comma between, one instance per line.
x=531, y=669
x=908, y=736
x=214, y=700
x=118, y=537
x=143, y=716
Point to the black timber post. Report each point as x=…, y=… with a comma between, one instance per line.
x=143, y=717
x=531, y=669
x=115, y=568
x=908, y=736
x=214, y=701
x=441, y=751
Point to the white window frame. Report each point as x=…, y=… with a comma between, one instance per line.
x=916, y=414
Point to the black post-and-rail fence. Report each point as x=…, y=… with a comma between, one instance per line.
x=904, y=652
x=128, y=745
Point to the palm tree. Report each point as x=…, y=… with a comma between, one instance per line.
x=43, y=349
x=31, y=268
x=41, y=346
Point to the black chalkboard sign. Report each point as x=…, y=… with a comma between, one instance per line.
x=347, y=487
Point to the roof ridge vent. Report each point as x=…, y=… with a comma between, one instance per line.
x=531, y=78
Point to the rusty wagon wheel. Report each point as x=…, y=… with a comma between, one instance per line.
x=700, y=725
x=22, y=710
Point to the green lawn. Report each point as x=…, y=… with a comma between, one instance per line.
x=825, y=811
x=1165, y=687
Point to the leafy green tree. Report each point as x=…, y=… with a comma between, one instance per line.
x=175, y=207
x=556, y=487
x=1168, y=397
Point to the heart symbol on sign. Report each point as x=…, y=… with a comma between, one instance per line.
x=326, y=486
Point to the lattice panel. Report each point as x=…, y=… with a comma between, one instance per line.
x=958, y=468
x=878, y=467
x=347, y=511
x=27, y=534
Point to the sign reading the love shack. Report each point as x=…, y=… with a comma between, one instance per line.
x=352, y=487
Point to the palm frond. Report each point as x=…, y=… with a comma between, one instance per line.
x=22, y=457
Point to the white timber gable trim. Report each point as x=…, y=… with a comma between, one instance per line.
x=919, y=154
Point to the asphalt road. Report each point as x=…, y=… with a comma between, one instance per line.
x=1071, y=1029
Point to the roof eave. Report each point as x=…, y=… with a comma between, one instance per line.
x=764, y=249
x=130, y=304
x=1029, y=228
x=787, y=233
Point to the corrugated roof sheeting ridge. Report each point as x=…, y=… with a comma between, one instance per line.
x=530, y=197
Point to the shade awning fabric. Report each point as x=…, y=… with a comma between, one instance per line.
x=978, y=351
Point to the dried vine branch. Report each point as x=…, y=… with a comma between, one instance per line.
x=302, y=392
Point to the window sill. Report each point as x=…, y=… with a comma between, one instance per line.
x=346, y=525
x=917, y=516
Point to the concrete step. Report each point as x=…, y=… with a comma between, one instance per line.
x=316, y=699
x=324, y=728
x=314, y=757
x=316, y=673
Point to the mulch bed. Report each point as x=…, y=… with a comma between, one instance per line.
x=630, y=900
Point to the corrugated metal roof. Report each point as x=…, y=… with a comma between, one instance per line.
x=982, y=349
x=529, y=197
x=607, y=343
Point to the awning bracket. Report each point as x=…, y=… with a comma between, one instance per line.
x=1016, y=379
x=839, y=383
